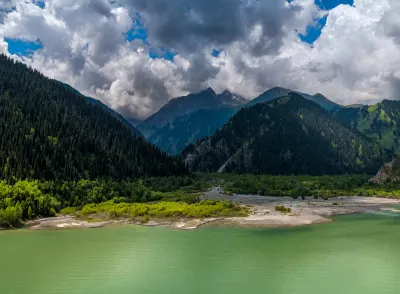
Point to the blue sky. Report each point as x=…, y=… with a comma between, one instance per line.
x=139, y=31
x=21, y=47
x=314, y=30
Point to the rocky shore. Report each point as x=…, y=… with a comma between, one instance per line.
x=262, y=213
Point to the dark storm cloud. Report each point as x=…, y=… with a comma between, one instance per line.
x=101, y=7
x=146, y=84
x=198, y=73
x=394, y=83
x=189, y=25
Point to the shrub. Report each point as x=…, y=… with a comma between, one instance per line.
x=282, y=208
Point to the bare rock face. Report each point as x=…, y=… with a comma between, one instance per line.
x=386, y=172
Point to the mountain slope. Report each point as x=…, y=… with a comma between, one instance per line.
x=380, y=122
x=290, y=135
x=175, y=136
x=48, y=131
x=279, y=92
x=96, y=102
x=231, y=99
x=177, y=107
x=183, y=106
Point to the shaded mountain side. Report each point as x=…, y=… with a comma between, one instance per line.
x=380, y=122
x=50, y=131
x=187, y=128
x=290, y=135
x=279, y=92
x=175, y=136
x=177, y=107
x=115, y=114
x=231, y=99
x=182, y=106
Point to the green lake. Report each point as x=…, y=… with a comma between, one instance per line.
x=354, y=254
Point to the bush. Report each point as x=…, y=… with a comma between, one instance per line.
x=68, y=211
x=203, y=209
x=282, y=208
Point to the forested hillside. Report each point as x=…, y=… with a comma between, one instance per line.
x=380, y=122
x=290, y=135
x=277, y=92
x=48, y=131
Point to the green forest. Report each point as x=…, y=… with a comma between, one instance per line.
x=50, y=131
x=290, y=135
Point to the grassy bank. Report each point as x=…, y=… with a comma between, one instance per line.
x=32, y=199
x=160, y=210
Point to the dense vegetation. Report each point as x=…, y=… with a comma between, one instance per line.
x=380, y=122
x=30, y=199
x=50, y=131
x=299, y=186
x=290, y=135
x=203, y=209
x=278, y=92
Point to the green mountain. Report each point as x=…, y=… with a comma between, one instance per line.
x=380, y=122
x=178, y=123
x=115, y=114
x=175, y=136
x=289, y=135
x=279, y=92
x=50, y=131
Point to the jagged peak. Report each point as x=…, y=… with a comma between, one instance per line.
x=226, y=92
x=209, y=90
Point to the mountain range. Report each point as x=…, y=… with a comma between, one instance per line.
x=287, y=135
x=185, y=120
x=51, y=131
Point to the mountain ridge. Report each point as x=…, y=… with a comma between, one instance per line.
x=289, y=135
x=180, y=106
x=50, y=131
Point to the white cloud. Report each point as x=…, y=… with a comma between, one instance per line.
x=355, y=60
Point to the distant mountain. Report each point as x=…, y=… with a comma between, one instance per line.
x=50, y=131
x=231, y=99
x=279, y=92
x=191, y=103
x=176, y=135
x=289, y=135
x=177, y=107
x=380, y=122
x=176, y=127
x=135, y=122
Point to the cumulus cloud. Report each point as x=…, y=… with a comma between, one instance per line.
x=355, y=59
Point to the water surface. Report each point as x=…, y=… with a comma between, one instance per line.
x=354, y=254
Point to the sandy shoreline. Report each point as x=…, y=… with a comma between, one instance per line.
x=304, y=212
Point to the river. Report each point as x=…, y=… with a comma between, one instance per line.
x=354, y=254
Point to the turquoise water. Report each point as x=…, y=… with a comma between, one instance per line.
x=354, y=254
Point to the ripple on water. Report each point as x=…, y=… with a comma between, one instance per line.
x=354, y=254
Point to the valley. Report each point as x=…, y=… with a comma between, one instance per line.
x=63, y=153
